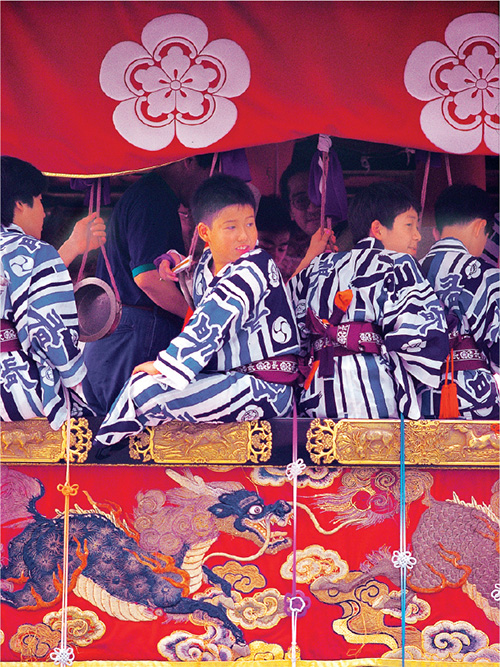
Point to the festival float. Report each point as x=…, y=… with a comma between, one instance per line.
x=297, y=542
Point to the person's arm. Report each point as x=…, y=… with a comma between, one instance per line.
x=77, y=242
x=319, y=243
x=163, y=292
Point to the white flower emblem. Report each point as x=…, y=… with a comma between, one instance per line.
x=473, y=269
x=459, y=82
x=175, y=84
x=274, y=275
x=250, y=414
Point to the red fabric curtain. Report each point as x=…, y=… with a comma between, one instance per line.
x=92, y=88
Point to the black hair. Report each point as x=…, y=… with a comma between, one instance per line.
x=293, y=168
x=460, y=204
x=204, y=161
x=382, y=201
x=272, y=216
x=21, y=181
x=217, y=192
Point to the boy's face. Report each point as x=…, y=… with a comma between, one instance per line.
x=404, y=235
x=231, y=234
x=275, y=244
x=302, y=210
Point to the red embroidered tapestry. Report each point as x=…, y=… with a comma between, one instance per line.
x=193, y=564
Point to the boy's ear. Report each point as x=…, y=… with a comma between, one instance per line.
x=204, y=231
x=376, y=230
x=478, y=225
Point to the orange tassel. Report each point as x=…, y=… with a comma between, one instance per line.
x=448, y=408
x=343, y=299
x=312, y=373
x=188, y=317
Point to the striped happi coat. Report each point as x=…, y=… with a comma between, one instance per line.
x=469, y=288
x=242, y=315
x=36, y=296
x=389, y=291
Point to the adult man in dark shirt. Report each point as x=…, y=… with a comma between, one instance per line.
x=144, y=223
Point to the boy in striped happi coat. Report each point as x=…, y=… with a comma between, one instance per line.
x=370, y=323
x=39, y=324
x=235, y=358
x=469, y=288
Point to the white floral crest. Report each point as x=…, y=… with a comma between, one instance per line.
x=460, y=83
x=251, y=413
x=174, y=84
x=473, y=269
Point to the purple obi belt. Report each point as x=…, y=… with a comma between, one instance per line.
x=466, y=356
x=9, y=342
x=282, y=370
x=332, y=340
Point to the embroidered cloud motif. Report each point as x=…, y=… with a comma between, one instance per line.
x=175, y=84
x=460, y=83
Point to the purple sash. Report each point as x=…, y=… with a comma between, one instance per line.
x=9, y=342
x=282, y=370
x=339, y=340
x=466, y=356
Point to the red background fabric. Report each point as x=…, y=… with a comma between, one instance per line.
x=327, y=67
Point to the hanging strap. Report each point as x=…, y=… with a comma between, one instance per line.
x=296, y=604
x=324, y=145
x=402, y=559
x=97, y=192
x=63, y=655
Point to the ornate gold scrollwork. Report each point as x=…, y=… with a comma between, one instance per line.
x=427, y=442
x=179, y=443
x=260, y=441
x=321, y=441
x=34, y=441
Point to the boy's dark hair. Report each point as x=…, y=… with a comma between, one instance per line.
x=292, y=169
x=217, y=192
x=21, y=181
x=379, y=201
x=460, y=204
x=272, y=216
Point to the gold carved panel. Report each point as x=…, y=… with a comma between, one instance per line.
x=427, y=442
x=178, y=443
x=34, y=441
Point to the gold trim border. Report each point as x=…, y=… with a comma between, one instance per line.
x=356, y=662
x=427, y=442
x=34, y=441
x=180, y=443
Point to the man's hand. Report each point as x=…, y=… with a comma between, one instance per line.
x=146, y=367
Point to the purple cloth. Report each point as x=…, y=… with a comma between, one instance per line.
x=235, y=163
x=85, y=184
x=336, y=195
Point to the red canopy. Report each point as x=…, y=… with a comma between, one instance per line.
x=92, y=88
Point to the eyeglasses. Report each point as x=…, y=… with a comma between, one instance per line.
x=301, y=201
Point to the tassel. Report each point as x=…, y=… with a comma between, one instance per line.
x=187, y=318
x=309, y=378
x=448, y=408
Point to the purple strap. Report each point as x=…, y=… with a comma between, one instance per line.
x=336, y=195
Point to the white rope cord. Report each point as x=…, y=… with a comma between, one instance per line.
x=63, y=655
